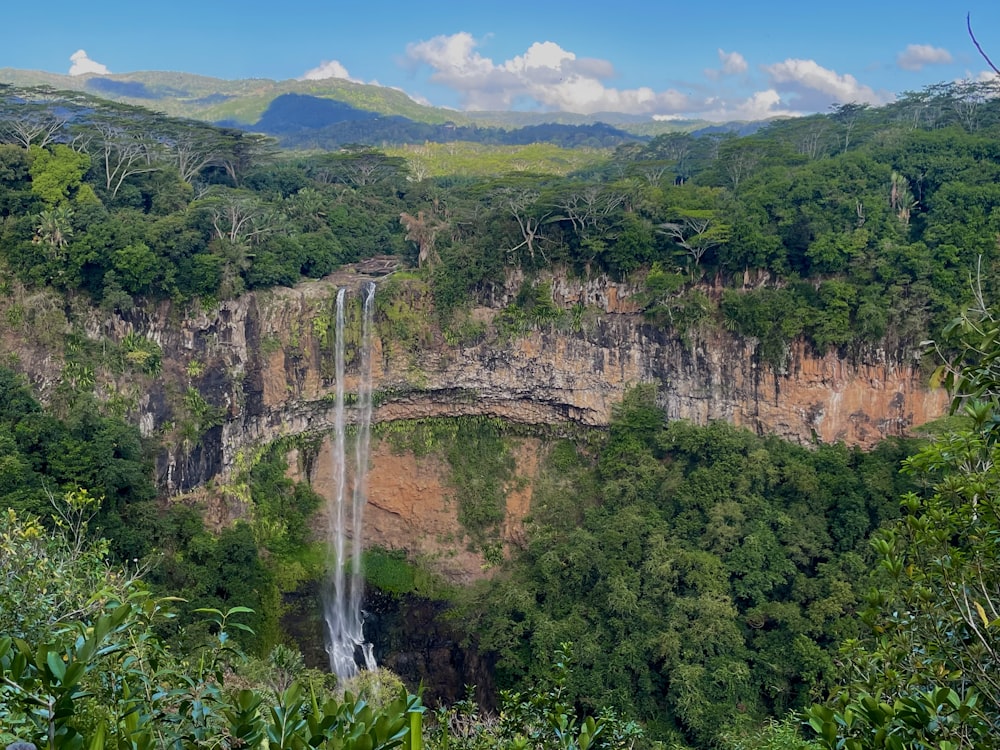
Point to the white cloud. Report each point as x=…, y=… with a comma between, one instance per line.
x=916, y=56
x=547, y=77
x=540, y=55
x=82, y=65
x=983, y=76
x=733, y=63
x=546, y=74
x=760, y=105
x=816, y=87
x=327, y=69
x=417, y=98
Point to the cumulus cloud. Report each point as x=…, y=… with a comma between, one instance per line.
x=548, y=77
x=546, y=74
x=82, y=65
x=983, y=76
x=816, y=88
x=760, y=105
x=327, y=69
x=733, y=63
x=917, y=56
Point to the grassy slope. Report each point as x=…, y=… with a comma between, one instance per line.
x=479, y=160
x=187, y=95
x=197, y=97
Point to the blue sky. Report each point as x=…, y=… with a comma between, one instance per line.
x=721, y=59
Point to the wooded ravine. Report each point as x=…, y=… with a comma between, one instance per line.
x=660, y=431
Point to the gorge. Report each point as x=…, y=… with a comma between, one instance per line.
x=263, y=382
x=655, y=421
x=264, y=363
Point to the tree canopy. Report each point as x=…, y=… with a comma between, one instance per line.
x=862, y=225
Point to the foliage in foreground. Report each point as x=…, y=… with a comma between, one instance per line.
x=542, y=718
x=926, y=676
x=86, y=668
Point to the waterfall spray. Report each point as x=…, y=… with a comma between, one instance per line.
x=343, y=597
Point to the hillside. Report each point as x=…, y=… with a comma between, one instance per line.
x=653, y=403
x=215, y=99
x=245, y=103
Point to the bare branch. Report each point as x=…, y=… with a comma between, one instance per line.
x=968, y=25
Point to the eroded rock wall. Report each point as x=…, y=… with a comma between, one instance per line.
x=264, y=362
x=412, y=505
x=235, y=378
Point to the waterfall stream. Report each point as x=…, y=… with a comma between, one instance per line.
x=343, y=596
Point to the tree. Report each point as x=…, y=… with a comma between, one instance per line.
x=928, y=675
x=522, y=204
x=192, y=147
x=54, y=227
x=696, y=230
x=239, y=217
x=243, y=151
x=124, y=146
x=740, y=157
x=970, y=363
x=847, y=117
x=680, y=150
x=56, y=173
x=51, y=579
x=901, y=199
x=358, y=166
x=422, y=229
x=137, y=266
x=31, y=124
x=586, y=206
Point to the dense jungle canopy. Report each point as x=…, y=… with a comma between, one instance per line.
x=708, y=579
x=860, y=227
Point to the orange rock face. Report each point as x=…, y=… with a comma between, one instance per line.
x=412, y=507
x=265, y=362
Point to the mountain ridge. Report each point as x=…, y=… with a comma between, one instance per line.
x=244, y=101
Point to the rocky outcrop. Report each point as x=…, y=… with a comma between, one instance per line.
x=235, y=378
x=411, y=505
x=265, y=361
x=263, y=365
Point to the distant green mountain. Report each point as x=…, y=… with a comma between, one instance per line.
x=300, y=121
x=245, y=101
x=215, y=100
x=330, y=113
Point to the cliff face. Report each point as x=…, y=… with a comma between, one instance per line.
x=265, y=362
x=261, y=367
x=411, y=505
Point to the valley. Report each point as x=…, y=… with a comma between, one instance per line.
x=638, y=413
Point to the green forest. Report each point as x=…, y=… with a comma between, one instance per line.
x=677, y=586
x=861, y=227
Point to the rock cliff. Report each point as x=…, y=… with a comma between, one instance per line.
x=265, y=360
x=259, y=367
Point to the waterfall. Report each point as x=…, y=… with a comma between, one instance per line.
x=345, y=588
